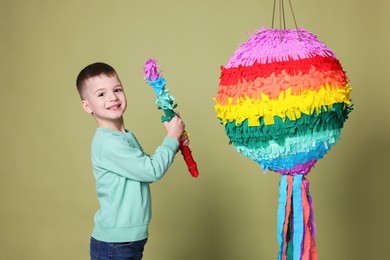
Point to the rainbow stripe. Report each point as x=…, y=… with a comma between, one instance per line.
x=283, y=100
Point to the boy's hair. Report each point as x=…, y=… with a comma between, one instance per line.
x=90, y=71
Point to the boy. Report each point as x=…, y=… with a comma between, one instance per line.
x=121, y=168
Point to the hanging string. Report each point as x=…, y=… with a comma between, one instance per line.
x=282, y=17
x=273, y=15
x=295, y=21
x=280, y=20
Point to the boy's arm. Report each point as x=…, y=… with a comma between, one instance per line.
x=120, y=158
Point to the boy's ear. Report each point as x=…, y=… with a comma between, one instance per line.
x=86, y=106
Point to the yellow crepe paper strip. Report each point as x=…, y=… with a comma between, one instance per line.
x=287, y=105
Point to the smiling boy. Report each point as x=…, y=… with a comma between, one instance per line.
x=121, y=168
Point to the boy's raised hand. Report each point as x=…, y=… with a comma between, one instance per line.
x=175, y=127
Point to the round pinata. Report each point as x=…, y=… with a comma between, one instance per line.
x=283, y=99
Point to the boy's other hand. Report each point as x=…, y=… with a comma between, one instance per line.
x=175, y=127
x=184, y=140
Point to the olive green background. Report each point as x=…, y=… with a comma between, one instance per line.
x=46, y=184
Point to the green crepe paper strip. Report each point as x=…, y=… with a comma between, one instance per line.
x=292, y=145
x=330, y=118
x=164, y=101
x=169, y=114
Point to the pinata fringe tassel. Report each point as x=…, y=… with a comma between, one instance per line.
x=296, y=228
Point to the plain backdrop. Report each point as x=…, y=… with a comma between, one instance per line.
x=47, y=189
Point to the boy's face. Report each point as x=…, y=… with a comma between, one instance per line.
x=105, y=99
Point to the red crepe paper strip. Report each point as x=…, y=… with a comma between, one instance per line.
x=187, y=156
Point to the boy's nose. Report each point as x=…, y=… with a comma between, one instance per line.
x=113, y=97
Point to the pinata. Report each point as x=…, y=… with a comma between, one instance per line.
x=283, y=99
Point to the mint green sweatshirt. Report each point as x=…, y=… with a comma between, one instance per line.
x=123, y=172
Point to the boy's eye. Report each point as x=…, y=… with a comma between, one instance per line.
x=118, y=90
x=100, y=94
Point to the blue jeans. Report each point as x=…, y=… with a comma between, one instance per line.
x=100, y=250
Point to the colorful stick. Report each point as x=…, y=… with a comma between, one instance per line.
x=164, y=102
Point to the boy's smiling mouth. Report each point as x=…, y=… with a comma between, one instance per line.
x=114, y=107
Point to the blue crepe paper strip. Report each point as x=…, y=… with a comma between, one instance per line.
x=298, y=230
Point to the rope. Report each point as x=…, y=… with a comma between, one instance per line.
x=282, y=18
x=295, y=21
x=273, y=15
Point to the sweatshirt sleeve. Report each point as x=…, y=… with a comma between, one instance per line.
x=119, y=157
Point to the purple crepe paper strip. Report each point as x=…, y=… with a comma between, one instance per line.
x=265, y=47
x=150, y=70
x=299, y=168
